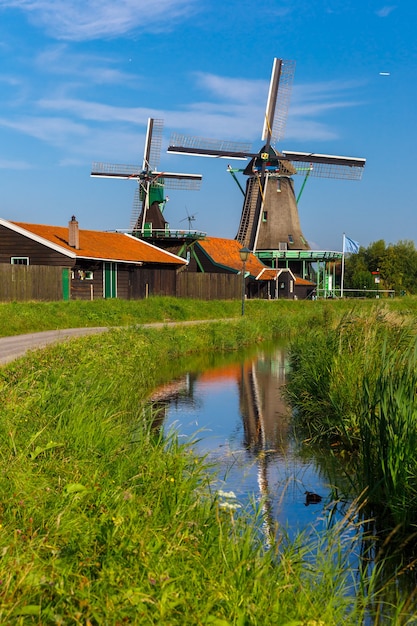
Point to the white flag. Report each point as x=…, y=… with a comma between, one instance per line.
x=349, y=245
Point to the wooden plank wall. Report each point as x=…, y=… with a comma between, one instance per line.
x=152, y=282
x=41, y=282
x=30, y=282
x=209, y=286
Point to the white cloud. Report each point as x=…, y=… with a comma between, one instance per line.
x=386, y=10
x=79, y=20
x=97, y=112
x=235, y=89
x=319, y=98
x=240, y=107
x=78, y=142
x=232, y=110
x=6, y=164
x=54, y=131
x=88, y=67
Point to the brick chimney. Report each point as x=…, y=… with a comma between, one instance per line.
x=73, y=234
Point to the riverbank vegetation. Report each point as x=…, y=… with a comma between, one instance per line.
x=106, y=519
x=27, y=317
x=353, y=384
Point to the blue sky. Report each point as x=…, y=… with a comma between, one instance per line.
x=80, y=78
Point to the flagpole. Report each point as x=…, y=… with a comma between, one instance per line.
x=343, y=267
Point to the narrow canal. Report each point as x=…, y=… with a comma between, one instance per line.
x=233, y=410
x=235, y=413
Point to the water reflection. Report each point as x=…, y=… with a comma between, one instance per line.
x=237, y=414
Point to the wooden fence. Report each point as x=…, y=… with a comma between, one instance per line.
x=209, y=286
x=49, y=283
x=30, y=282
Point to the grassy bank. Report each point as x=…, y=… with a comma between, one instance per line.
x=105, y=521
x=24, y=317
x=354, y=387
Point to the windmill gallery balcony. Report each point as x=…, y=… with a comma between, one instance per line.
x=163, y=233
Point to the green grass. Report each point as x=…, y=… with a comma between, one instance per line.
x=106, y=520
x=354, y=388
x=24, y=317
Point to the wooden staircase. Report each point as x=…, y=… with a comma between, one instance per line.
x=246, y=227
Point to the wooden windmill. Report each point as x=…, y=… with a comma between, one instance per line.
x=269, y=219
x=149, y=198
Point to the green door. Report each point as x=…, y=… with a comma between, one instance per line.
x=66, y=284
x=110, y=279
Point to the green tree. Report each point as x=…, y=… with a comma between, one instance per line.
x=396, y=263
x=374, y=254
x=363, y=280
x=355, y=264
x=399, y=267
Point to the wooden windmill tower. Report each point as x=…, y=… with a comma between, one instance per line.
x=269, y=219
x=149, y=198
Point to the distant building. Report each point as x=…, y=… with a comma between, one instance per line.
x=95, y=264
x=218, y=255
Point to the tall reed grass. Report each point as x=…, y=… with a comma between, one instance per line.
x=354, y=387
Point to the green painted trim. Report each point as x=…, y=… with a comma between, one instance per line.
x=197, y=260
x=66, y=284
x=223, y=267
x=308, y=255
x=110, y=279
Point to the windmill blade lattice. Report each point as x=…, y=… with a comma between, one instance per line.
x=171, y=180
x=136, y=209
x=327, y=166
x=153, y=144
x=147, y=177
x=278, y=102
x=201, y=146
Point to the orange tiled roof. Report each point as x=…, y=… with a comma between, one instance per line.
x=304, y=281
x=268, y=274
x=225, y=252
x=104, y=246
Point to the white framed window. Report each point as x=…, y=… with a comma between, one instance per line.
x=83, y=274
x=19, y=260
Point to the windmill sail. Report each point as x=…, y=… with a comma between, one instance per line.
x=269, y=219
x=151, y=182
x=278, y=102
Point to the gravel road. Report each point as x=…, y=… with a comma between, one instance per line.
x=13, y=347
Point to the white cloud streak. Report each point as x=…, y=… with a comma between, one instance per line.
x=236, y=89
x=80, y=20
x=55, y=130
x=6, y=164
x=385, y=11
x=85, y=67
x=232, y=109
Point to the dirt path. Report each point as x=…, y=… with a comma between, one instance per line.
x=13, y=347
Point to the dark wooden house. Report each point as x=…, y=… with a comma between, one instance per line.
x=218, y=255
x=94, y=264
